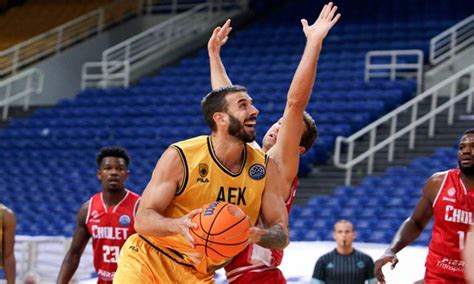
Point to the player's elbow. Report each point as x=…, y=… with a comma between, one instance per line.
x=139, y=226
x=140, y=223
x=296, y=102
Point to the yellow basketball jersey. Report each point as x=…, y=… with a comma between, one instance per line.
x=207, y=180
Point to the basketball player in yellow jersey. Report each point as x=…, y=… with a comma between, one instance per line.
x=194, y=172
x=288, y=139
x=7, y=244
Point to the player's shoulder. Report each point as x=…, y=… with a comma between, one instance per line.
x=94, y=199
x=439, y=175
x=255, y=146
x=437, y=178
x=192, y=142
x=133, y=195
x=256, y=154
x=7, y=212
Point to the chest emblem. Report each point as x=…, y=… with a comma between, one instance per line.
x=94, y=214
x=203, y=170
x=360, y=264
x=124, y=220
x=451, y=192
x=257, y=172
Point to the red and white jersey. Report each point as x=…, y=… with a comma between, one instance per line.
x=110, y=227
x=452, y=209
x=255, y=258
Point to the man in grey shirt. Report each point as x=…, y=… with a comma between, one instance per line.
x=344, y=265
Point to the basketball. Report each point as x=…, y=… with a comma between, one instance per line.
x=223, y=230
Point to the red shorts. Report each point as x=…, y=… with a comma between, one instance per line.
x=271, y=276
x=431, y=278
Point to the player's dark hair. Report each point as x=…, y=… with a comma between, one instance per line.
x=113, y=151
x=215, y=102
x=469, y=131
x=311, y=133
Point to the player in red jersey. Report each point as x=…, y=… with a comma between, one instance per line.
x=108, y=218
x=285, y=141
x=449, y=197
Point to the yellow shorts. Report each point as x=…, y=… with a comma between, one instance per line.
x=139, y=262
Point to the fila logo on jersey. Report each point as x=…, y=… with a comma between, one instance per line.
x=203, y=171
x=257, y=171
x=124, y=220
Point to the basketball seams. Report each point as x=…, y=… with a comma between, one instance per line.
x=217, y=252
x=227, y=244
x=218, y=245
x=212, y=224
x=228, y=228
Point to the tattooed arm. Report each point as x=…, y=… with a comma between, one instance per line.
x=273, y=213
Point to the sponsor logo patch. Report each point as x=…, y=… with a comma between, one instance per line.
x=360, y=264
x=124, y=220
x=257, y=172
x=203, y=170
x=451, y=191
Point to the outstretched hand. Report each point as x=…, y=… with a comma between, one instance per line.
x=185, y=223
x=388, y=256
x=219, y=37
x=323, y=24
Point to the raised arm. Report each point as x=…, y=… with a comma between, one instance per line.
x=78, y=244
x=166, y=177
x=219, y=37
x=273, y=212
x=286, y=150
x=413, y=225
x=9, y=224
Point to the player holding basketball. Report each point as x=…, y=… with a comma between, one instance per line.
x=285, y=141
x=194, y=172
x=449, y=197
x=108, y=218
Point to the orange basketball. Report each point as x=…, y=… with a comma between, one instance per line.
x=223, y=230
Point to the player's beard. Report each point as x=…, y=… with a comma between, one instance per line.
x=118, y=186
x=114, y=188
x=467, y=170
x=236, y=129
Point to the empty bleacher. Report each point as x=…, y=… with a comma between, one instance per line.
x=37, y=16
x=377, y=206
x=50, y=158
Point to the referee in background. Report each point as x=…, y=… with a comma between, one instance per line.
x=344, y=265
